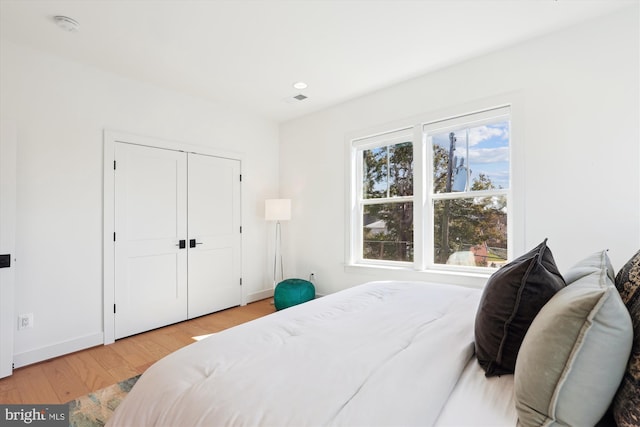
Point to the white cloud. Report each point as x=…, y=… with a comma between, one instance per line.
x=489, y=155
x=483, y=133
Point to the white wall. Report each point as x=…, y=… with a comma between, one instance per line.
x=60, y=109
x=578, y=93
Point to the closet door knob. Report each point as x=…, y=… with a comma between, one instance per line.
x=182, y=244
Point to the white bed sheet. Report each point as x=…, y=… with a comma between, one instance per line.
x=479, y=401
x=383, y=353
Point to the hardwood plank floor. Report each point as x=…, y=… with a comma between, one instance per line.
x=68, y=377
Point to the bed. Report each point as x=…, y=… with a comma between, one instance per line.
x=394, y=353
x=382, y=353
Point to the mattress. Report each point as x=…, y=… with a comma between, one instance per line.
x=382, y=353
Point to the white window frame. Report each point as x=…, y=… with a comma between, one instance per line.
x=367, y=143
x=423, y=266
x=493, y=115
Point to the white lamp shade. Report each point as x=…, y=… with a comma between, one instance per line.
x=277, y=209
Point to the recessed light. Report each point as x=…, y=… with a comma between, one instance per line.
x=66, y=23
x=300, y=85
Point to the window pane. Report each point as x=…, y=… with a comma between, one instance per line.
x=401, y=169
x=449, y=176
x=471, y=231
x=375, y=173
x=489, y=156
x=471, y=159
x=388, y=232
x=388, y=171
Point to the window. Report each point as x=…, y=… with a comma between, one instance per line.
x=385, y=197
x=460, y=203
x=469, y=189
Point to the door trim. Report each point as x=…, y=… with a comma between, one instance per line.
x=110, y=138
x=8, y=192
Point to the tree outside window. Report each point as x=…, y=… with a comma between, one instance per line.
x=387, y=206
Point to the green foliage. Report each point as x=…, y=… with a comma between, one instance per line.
x=471, y=221
x=388, y=172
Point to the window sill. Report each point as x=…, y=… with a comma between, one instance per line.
x=471, y=279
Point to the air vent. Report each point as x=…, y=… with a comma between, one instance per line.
x=295, y=99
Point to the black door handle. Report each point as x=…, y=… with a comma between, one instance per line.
x=182, y=244
x=193, y=243
x=5, y=261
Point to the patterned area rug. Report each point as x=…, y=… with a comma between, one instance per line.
x=94, y=409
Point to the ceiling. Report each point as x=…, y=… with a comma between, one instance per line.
x=248, y=53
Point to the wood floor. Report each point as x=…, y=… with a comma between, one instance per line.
x=67, y=377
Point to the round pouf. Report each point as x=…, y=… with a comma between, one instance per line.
x=292, y=292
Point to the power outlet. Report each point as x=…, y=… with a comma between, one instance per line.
x=25, y=321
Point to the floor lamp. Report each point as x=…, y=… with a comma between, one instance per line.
x=277, y=210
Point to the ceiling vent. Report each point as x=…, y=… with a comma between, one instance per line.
x=295, y=99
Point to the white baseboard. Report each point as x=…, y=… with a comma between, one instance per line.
x=257, y=296
x=55, y=350
x=81, y=343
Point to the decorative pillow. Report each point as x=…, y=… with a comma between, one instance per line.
x=586, y=267
x=626, y=404
x=575, y=352
x=511, y=299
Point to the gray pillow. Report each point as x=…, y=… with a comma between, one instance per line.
x=574, y=354
x=587, y=266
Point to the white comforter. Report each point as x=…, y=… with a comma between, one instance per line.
x=383, y=353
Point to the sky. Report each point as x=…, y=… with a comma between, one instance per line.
x=485, y=150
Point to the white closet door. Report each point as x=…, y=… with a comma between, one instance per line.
x=150, y=221
x=214, y=233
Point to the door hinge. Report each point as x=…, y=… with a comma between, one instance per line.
x=114, y=309
x=240, y=177
x=114, y=165
x=114, y=236
x=241, y=281
x=240, y=229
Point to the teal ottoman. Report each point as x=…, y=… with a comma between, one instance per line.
x=292, y=292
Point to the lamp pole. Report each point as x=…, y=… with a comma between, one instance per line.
x=277, y=251
x=277, y=210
